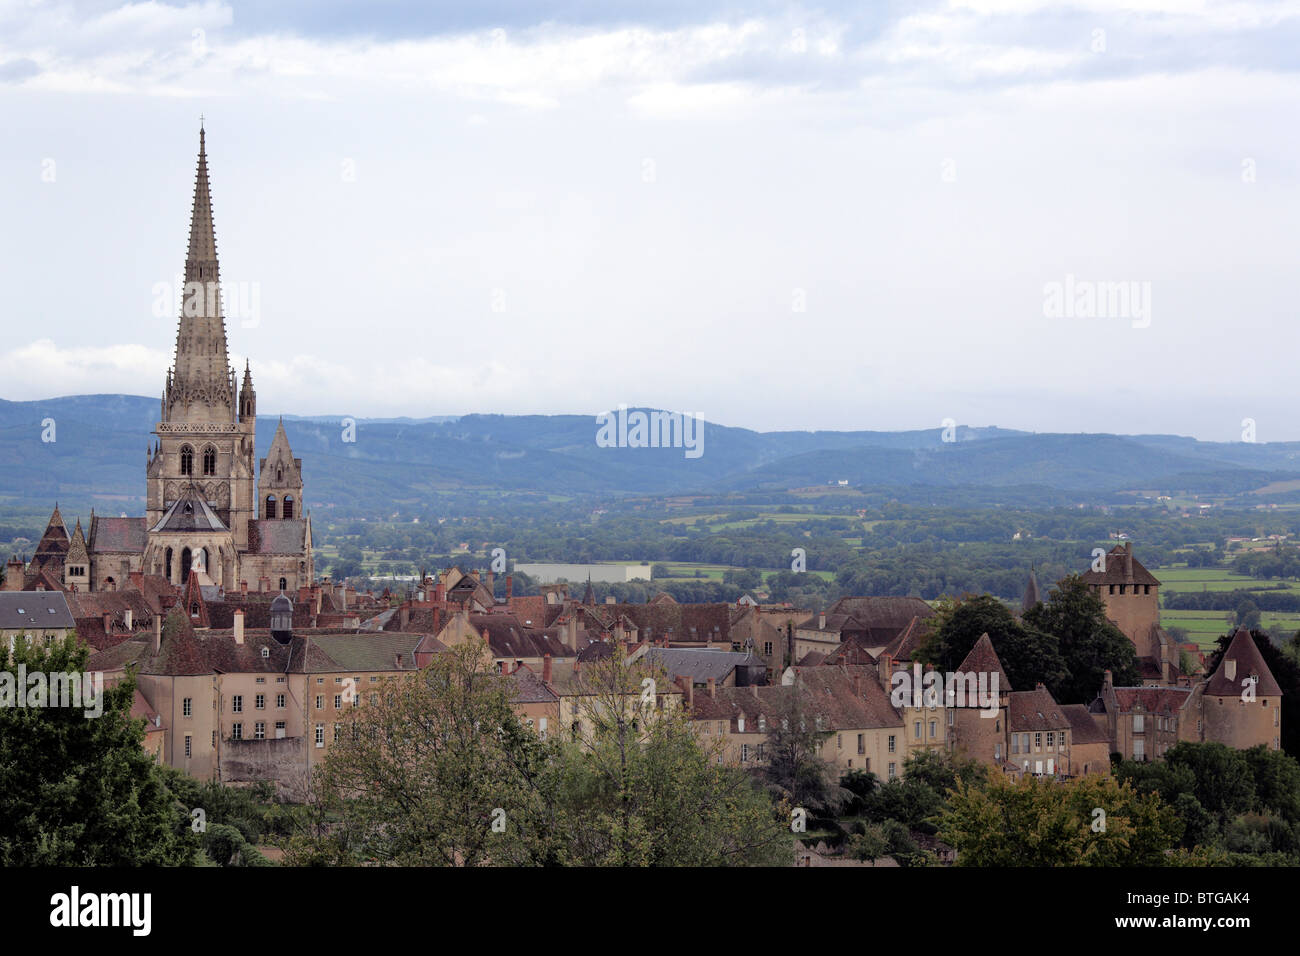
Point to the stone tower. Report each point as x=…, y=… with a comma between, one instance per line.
x=280, y=480
x=200, y=469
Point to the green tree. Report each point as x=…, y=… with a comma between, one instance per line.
x=1089, y=644
x=639, y=789
x=438, y=771
x=795, y=772
x=79, y=791
x=1027, y=654
x=1091, y=821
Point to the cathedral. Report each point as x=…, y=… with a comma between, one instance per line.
x=203, y=514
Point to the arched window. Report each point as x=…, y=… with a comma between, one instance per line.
x=287, y=511
x=187, y=460
x=269, y=510
x=283, y=584
x=169, y=564
x=209, y=461
x=186, y=558
x=279, y=475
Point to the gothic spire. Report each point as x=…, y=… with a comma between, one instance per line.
x=201, y=382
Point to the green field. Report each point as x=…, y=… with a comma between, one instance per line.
x=1214, y=579
x=1205, y=627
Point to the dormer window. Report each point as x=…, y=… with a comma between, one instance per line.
x=266, y=652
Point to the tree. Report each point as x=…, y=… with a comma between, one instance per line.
x=796, y=772
x=1089, y=644
x=1247, y=614
x=1090, y=821
x=1027, y=654
x=639, y=789
x=1221, y=776
x=438, y=771
x=78, y=790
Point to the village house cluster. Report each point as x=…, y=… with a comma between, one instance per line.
x=249, y=665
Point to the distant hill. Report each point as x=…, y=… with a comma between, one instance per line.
x=99, y=452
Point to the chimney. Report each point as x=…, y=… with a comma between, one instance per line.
x=399, y=662
x=474, y=574
x=440, y=592
x=857, y=684
x=713, y=688
x=1230, y=669
x=239, y=625
x=753, y=689
x=404, y=617
x=108, y=623
x=572, y=632
x=688, y=688
x=546, y=659
x=1128, y=561
x=821, y=621
x=243, y=586
x=885, y=667
x=157, y=633
x=14, y=574
x=127, y=618
x=510, y=586
x=1106, y=678
x=492, y=582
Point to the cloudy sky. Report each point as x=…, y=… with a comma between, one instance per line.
x=841, y=215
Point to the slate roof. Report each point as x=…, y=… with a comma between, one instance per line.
x=1249, y=661
x=22, y=610
x=277, y=536
x=1035, y=710
x=698, y=665
x=117, y=535
x=369, y=652
x=1083, y=729
x=190, y=512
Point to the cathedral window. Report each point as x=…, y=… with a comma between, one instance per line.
x=209, y=461
x=287, y=512
x=187, y=460
x=269, y=511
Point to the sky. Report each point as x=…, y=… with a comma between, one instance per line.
x=777, y=216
